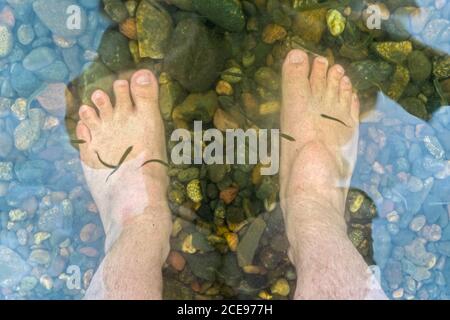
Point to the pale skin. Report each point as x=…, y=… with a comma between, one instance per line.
x=314, y=179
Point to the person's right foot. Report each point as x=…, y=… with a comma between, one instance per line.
x=321, y=112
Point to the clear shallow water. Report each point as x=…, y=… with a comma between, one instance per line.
x=50, y=231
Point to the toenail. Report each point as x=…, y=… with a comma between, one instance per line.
x=322, y=60
x=144, y=79
x=121, y=83
x=296, y=57
x=98, y=97
x=84, y=110
x=346, y=80
x=339, y=69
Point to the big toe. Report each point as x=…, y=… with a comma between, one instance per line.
x=296, y=87
x=144, y=90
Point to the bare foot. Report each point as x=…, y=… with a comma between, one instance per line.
x=134, y=121
x=321, y=112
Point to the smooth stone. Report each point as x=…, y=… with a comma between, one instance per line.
x=72, y=59
x=403, y=237
x=114, y=51
x=246, y=249
x=382, y=245
x=55, y=72
x=443, y=247
x=53, y=13
x=6, y=172
x=39, y=58
x=53, y=99
x=25, y=34
x=227, y=14
x=6, y=41
x=433, y=209
x=12, y=267
x=195, y=56
x=434, y=147
x=23, y=81
x=417, y=253
x=432, y=233
x=51, y=219
x=26, y=135
x=6, y=144
x=17, y=215
x=5, y=106
x=33, y=171
x=418, y=223
x=151, y=16
x=393, y=273
x=204, y=266
x=90, y=233
x=39, y=256
x=415, y=184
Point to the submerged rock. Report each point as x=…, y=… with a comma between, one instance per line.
x=419, y=66
x=400, y=80
x=310, y=25
x=54, y=14
x=395, y=52
x=246, y=249
x=12, y=267
x=195, y=56
x=204, y=266
x=116, y=9
x=227, y=14
x=6, y=41
x=114, y=51
x=197, y=106
x=368, y=73
x=441, y=68
x=154, y=27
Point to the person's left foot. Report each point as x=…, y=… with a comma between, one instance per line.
x=132, y=130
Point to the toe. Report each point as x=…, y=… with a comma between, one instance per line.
x=345, y=92
x=296, y=88
x=89, y=117
x=319, y=76
x=122, y=94
x=144, y=90
x=83, y=132
x=335, y=75
x=354, y=109
x=103, y=103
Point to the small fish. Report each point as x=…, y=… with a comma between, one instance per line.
x=334, y=119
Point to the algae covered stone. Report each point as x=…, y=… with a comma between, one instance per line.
x=154, y=27
x=227, y=14
x=441, y=68
x=400, y=80
x=336, y=22
x=395, y=52
x=197, y=106
x=419, y=66
x=116, y=9
x=310, y=25
x=114, y=51
x=195, y=56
